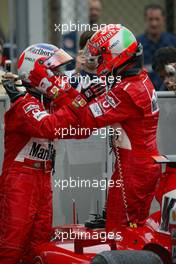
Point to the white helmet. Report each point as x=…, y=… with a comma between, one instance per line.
x=50, y=55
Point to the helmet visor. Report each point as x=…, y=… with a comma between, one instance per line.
x=59, y=58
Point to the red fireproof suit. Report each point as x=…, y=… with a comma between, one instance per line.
x=25, y=184
x=132, y=107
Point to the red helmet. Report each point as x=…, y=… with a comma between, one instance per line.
x=111, y=47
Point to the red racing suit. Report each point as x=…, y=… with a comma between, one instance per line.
x=26, y=195
x=132, y=107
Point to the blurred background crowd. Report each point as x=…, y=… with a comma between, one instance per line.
x=60, y=22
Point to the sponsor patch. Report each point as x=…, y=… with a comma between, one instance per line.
x=104, y=38
x=108, y=102
x=29, y=107
x=96, y=110
x=114, y=44
x=79, y=102
x=54, y=91
x=44, y=51
x=42, y=152
x=39, y=115
x=30, y=59
x=155, y=106
x=111, y=101
x=38, y=260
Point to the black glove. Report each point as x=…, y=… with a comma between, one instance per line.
x=14, y=90
x=93, y=91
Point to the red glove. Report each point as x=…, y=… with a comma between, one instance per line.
x=93, y=91
x=55, y=87
x=44, y=80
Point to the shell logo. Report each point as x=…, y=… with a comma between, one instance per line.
x=38, y=260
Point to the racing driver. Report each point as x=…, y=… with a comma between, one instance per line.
x=131, y=107
x=30, y=128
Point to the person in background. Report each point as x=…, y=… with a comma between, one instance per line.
x=95, y=11
x=85, y=69
x=81, y=59
x=80, y=62
x=70, y=39
x=164, y=64
x=84, y=77
x=154, y=38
